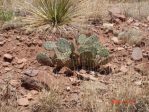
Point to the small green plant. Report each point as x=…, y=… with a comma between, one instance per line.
x=6, y=15
x=83, y=52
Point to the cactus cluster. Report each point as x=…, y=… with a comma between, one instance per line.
x=83, y=51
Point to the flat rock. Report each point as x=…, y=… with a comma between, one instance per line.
x=31, y=72
x=82, y=71
x=137, y=54
x=23, y=102
x=6, y=64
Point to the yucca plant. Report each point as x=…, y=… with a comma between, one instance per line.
x=55, y=13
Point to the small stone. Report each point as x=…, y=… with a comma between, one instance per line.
x=83, y=77
x=115, y=40
x=14, y=83
x=120, y=48
x=136, y=24
x=2, y=43
x=138, y=83
x=8, y=57
x=29, y=96
x=91, y=77
x=123, y=69
x=34, y=92
x=129, y=62
x=65, y=70
x=21, y=66
x=92, y=73
x=108, y=26
x=137, y=54
x=130, y=20
x=20, y=61
x=82, y=71
x=86, y=77
x=31, y=72
x=23, y=102
x=68, y=89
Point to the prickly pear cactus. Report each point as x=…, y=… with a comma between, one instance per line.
x=63, y=45
x=81, y=39
x=89, y=49
x=49, y=45
x=82, y=52
x=44, y=59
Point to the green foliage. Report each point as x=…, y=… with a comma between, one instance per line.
x=82, y=52
x=44, y=59
x=5, y=15
x=53, y=12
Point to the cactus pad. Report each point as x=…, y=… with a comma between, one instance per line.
x=49, y=45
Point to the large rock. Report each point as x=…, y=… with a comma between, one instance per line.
x=115, y=13
x=137, y=54
x=131, y=36
x=31, y=72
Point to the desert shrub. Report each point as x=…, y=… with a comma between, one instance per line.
x=6, y=15
x=86, y=52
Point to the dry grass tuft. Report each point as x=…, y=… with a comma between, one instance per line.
x=91, y=100
x=129, y=98
x=50, y=101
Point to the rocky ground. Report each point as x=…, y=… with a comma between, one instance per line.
x=22, y=78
